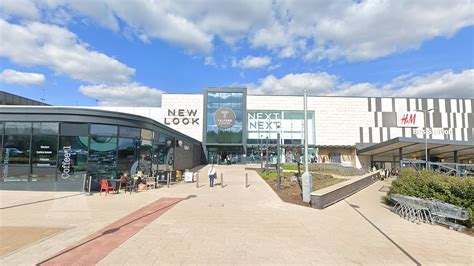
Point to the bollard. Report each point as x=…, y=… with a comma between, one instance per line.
x=197, y=180
x=90, y=183
x=222, y=180
x=168, y=180
x=246, y=180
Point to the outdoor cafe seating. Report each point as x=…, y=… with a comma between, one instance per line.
x=104, y=185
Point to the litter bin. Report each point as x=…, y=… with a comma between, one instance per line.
x=179, y=175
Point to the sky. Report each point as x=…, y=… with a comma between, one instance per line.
x=129, y=52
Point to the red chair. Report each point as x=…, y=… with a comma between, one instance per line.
x=104, y=185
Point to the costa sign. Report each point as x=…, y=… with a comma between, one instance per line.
x=410, y=119
x=224, y=117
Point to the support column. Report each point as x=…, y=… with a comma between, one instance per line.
x=400, y=157
x=456, y=157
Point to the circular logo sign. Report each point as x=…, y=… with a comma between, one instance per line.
x=224, y=117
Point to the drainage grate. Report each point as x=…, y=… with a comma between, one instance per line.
x=216, y=205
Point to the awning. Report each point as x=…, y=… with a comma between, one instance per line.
x=415, y=147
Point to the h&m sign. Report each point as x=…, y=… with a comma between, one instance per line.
x=410, y=119
x=182, y=116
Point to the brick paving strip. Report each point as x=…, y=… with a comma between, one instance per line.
x=95, y=247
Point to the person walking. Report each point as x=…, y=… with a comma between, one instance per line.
x=212, y=175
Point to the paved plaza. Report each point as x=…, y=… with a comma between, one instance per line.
x=229, y=225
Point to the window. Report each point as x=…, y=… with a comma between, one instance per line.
x=74, y=129
x=44, y=158
x=103, y=130
x=18, y=128
x=16, y=157
x=45, y=128
x=234, y=101
x=73, y=153
x=147, y=134
x=102, y=157
x=127, y=154
x=129, y=132
x=17, y=148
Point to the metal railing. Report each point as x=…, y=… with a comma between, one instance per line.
x=429, y=211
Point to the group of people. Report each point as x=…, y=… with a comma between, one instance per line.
x=388, y=173
x=139, y=178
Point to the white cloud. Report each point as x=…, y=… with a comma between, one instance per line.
x=446, y=84
x=11, y=76
x=252, y=62
x=19, y=8
x=307, y=29
x=38, y=44
x=293, y=84
x=131, y=94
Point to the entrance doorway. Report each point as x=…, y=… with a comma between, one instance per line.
x=225, y=154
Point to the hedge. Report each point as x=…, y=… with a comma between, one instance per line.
x=458, y=191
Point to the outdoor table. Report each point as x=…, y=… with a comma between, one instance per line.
x=116, y=184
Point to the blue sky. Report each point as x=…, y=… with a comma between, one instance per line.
x=129, y=52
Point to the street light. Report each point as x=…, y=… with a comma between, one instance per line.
x=306, y=179
x=425, y=115
x=260, y=147
x=278, y=159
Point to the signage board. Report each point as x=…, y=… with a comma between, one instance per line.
x=224, y=117
x=410, y=119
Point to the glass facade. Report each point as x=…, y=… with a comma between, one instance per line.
x=232, y=103
x=263, y=127
x=65, y=152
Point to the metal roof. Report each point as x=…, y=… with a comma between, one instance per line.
x=415, y=147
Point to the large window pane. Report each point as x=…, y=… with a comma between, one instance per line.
x=16, y=155
x=18, y=128
x=144, y=163
x=127, y=154
x=129, y=132
x=1, y=128
x=17, y=148
x=45, y=128
x=102, y=157
x=103, y=130
x=74, y=129
x=147, y=134
x=73, y=154
x=44, y=158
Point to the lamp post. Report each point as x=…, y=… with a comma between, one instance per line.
x=260, y=148
x=307, y=179
x=278, y=159
x=425, y=115
x=266, y=158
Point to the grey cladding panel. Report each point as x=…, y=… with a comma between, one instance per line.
x=437, y=119
x=470, y=120
x=424, y=104
x=448, y=105
x=370, y=106
x=378, y=104
x=389, y=119
x=436, y=104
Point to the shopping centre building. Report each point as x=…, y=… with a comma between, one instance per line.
x=228, y=124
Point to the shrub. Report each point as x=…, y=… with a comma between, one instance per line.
x=458, y=191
